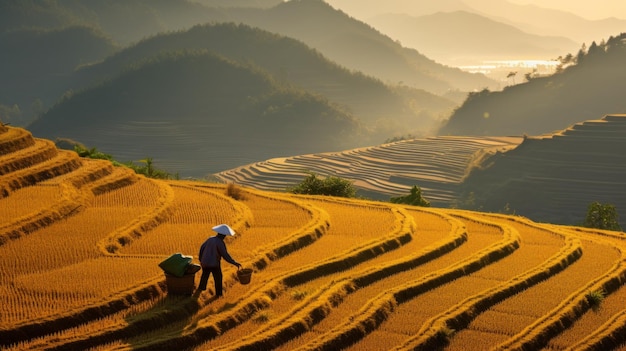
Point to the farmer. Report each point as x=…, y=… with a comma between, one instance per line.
x=211, y=253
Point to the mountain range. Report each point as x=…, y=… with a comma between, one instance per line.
x=292, y=71
x=196, y=113
x=531, y=19
x=439, y=37
x=202, y=87
x=356, y=45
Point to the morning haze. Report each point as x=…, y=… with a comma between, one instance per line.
x=398, y=174
x=206, y=87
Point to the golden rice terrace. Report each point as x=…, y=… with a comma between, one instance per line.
x=80, y=243
x=437, y=164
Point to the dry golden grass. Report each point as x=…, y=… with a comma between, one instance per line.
x=308, y=220
x=278, y=318
x=329, y=273
x=194, y=212
x=425, y=294
x=40, y=151
x=63, y=162
x=14, y=139
x=28, y=200
x=597, y=325
x=517, y=317
x=39, y=277
x=526, y=266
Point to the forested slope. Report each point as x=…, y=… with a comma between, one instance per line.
x=196, y=113
x=590, y=83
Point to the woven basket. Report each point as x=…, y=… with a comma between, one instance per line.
x=244, y=275
x=184, y=285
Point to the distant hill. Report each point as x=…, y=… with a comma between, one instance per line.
x=468, y=37
x=342, y=39
x=410, y=107
x=555, y=177
x=381, y=112
x=366, y=9
x=197, y=113
x=386, y=111
x=356, y=45
x=126, y=21
x=240, y=3
x=537, y=20
x=35, y=65
x=528, y=18
x=550, y=178
x=591, y=83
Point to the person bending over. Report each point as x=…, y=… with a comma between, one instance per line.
x=211, y=253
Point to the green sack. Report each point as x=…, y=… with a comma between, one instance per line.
x=176, y=264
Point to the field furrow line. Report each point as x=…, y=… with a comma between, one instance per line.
x=63, y=162
x=41, y=151
x=90, y=171
x=565, y=313
x=160, y=210
x=610, y=336
x=529, y=307
x=14, y=139
x=70, y=201
x=323, y=298
x=601, y=315
x=305, y=229
x=432, y=334
x=118, y=178
x=194, y=212
x=480, y=250
x=273, y=245
x=68, y=248
x=210, y=325
x=64, y=200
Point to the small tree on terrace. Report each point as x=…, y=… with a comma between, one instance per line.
x=602, y=216
x=414, y=198
x=331, y=186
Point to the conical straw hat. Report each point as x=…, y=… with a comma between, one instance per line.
x=224, y=229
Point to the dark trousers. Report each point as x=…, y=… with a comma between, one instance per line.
x=217, y=279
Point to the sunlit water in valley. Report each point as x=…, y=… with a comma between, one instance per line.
x=510, y=72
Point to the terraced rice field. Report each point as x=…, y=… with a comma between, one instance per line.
x=80, y=247
x=436, y=164
x=554, y=177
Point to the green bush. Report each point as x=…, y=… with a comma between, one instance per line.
x=146, y=169
x=149, y=171
x=82, y=151
x=331, y=186
x=602, y=216
x=414, y=198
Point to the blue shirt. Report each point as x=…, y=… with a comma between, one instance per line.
x=212, y=251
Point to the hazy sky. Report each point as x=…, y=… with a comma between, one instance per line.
x=595, y=9
x=589, y=9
